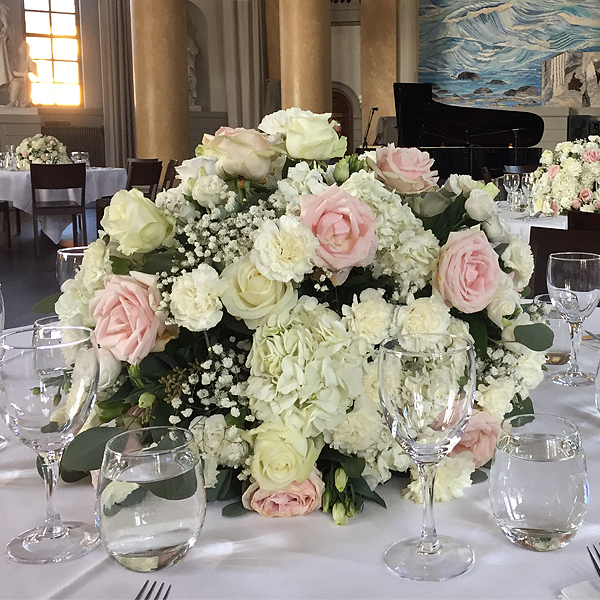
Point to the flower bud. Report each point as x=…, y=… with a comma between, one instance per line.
x=341, y=171
x=135, y=375
x=326, y=500
x=341, y=479
x=146, y=400
x=339, y=513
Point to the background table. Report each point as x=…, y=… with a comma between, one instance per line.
x=309, y=557
x=517, y=224
x=15, y=186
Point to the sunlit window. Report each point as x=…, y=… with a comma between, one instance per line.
x=52, y=32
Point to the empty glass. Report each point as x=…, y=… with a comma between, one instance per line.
x=560, y=351
x=426, y=387
x=75, y=157
x=68, y=261
x=10, y=163
x=48, y=382
x=511, y=183
x=574, y=287
x=527, y=181
x=84, y=157
x=538, y=481
x=3, y=440
x=150, y=501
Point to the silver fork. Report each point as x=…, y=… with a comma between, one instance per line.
x=149, y=595
x=596, y=559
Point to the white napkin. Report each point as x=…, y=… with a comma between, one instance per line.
x=586, y=590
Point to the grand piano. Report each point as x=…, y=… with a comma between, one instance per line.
x=463, y=139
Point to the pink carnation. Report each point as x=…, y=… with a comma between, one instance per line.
x=480, y=437
x=294, y=500
x=553, y=171
x=468, y=272
x=345, y=229
x=591, y=156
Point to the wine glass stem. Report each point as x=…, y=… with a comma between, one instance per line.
x=53, y=526
x=429, y=541
x=575, y=331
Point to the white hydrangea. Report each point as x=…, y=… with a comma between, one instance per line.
x=371, y=317
x=301, y=179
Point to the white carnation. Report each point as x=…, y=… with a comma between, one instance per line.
x=424, y=315
x=495, y=396
x=371, y=317
x=519, y=258
x=210, y=191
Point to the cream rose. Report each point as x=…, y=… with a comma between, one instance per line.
x=519, y=258
x=504, y=302
x=480, y=206
x=460, y=184
x=136, y=223
x=252, y=296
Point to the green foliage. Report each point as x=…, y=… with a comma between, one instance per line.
x=134, y=497
x=235, y=509
x=85, y=452
x=536, y=336
x=46, y=306
x=176, y=488
x=521, y=406
x=478, y=330
x=120, y=265
x=160, y=261
x=452, y=219
x=228, y=486
x=478, y=476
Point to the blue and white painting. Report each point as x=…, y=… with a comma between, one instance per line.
x=490, y=53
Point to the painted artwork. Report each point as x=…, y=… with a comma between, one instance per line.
x=572, y=79
x=490, y=53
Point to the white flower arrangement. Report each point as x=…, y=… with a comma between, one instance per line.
x=41, y=149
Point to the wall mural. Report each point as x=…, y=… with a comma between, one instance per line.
x=490, y=53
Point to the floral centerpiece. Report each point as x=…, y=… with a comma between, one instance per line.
x=41, y=149
x=247, y=304
x=569, y=178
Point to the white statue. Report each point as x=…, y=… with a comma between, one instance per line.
x=5, y=70
x=19, y=88
x=192, y=53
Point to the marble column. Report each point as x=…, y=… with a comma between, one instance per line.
x=159, y=43
x=305, y=38
x=378, y=60
x=408, y=41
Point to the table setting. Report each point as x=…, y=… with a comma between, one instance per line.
x=267, y=382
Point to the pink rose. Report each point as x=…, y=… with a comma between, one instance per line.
x=597, y=206
x=345, y=229
x=576, y=203
x=407, y=170
x=25, y=153
x=240, y=152
x=591, y=156
x=480, y=437
x=468, y=272
x=294, y=500
x=585, y=194
x=127, y=319
x=553, y=171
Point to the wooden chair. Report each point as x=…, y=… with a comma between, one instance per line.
x=582, y=221
x=544, y=241
x=170, y=175
x=5, y=208
x=141, y=173
x=58, y=177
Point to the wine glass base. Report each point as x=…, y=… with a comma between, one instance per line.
x=3, y=442
x=32, y=548
x=573, y=380
x=453, y=558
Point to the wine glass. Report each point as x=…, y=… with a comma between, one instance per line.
x=511, y=183
x=84, y=157
x=574, y=286
x=48, y=382
x=68, y=261
x=527, y=181
x=3, y=440
x=426, y=388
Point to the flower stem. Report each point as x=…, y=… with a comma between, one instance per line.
x=429, y=541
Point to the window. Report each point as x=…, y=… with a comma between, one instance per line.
x=52, y=32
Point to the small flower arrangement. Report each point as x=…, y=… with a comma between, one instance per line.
x=248, y=303
x=569, y=178
x=41, y=149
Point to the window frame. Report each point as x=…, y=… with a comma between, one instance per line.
x=51, y=36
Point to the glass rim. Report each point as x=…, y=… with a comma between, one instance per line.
x=573, y=256
x=468, y=344
x=33, y=328
x=566, y=422
x=189, y=437
x=77, y=250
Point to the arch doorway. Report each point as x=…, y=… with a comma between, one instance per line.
x=346, y=110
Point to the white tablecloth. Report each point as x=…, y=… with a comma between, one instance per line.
x=522, y=226
x=15, y=186
x=309, y=557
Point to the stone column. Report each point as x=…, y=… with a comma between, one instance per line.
x=408, y=41
x=305, y=38
x=378, y=60
x=159, y=40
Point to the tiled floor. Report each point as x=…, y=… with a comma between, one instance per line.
x=25, y=278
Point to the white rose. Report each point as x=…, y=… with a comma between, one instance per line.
x=460, y=184
x=136, y=223
x=284, y=250
x=424, y=315
x=95, y=266
x=547, y=157
x=252, y=296
x=371, y=317
x=210, y=191
x=480, y=206
x=194, y=168
x=308, y=135
x=195, y=298
x=110, y=369
x=519, y=258
x=496, y=229
x=495, y=397
x=504, y=302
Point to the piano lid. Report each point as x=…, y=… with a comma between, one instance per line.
x=424, y=122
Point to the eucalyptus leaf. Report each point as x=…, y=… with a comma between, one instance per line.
x=161, y=261
x=46, y=306
x=536, y=336
x=85, y=452
x=176, y=488
x=235, y=509
x=120, y=266
x=353, y=465
x=478, y=476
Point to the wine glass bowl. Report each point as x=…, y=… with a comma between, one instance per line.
x=426, y=388
x=574, y=287
x=48, y=382
x=68, y=262
x=511, y=182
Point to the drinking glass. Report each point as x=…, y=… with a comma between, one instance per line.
x=574, y=287
x=527, y=181
x=538, y=481
x=560, y=351
x=511, y=183
x=75, y=157
x=11, y=159
x=3, y=440
x=2, y=160
x=151, y=501
x=84, y=157
x=48, y=382
x=68, y=261
x=426, y=388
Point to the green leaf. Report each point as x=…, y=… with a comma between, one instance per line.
x=521, y=406
x=212, y=493
x=236, y=325
x=500, y=248
x=536, y=336
x=161, y=261
x=353, y=465
x=85, y=452
x=51, y=427
x=46, y=306
x=362, y=487
x=120, y=265
x=65, y=475
x=478, y=330
x=176, y=488
x=478, y=476
x=235, y=509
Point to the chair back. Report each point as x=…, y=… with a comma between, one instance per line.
x=144, y=173
x=582, y=221
x=520, y=169
x=58, y=177
x=544, y=241
x=170, y=175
